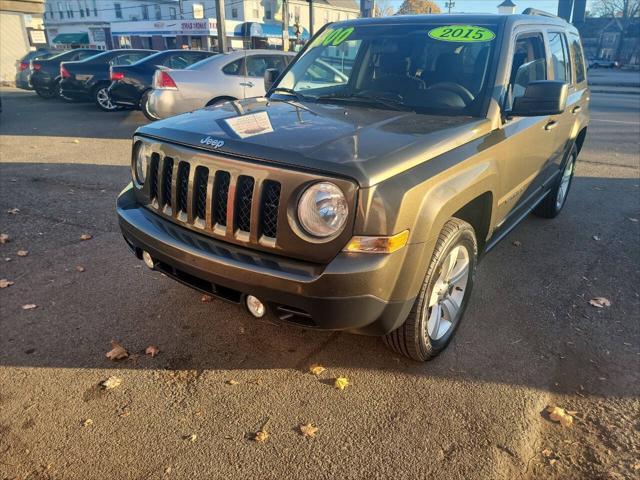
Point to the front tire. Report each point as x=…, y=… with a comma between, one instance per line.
x=552, y=204
x=144, y=107
x=443, y=297
x=102, y=99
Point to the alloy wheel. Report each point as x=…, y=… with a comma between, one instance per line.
x=447, y=293
x=104, y=100
x=564, y=184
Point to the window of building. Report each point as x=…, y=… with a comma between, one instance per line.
x=87, y=11
x=95, y=8
x=528, y=65
x=559, y=57
x=145, y=12
x=80, y=9
x=118, y=9
x=69, y=10
x=267, y=12
x=60, y=10
x=577, y=57
x=256, y=13
x=172, y=13
x=158, y=11
x=234, y=13
x=198, y=11
x=297, y=13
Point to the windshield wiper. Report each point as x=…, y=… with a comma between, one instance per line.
x=370, y=99
x=290, y=91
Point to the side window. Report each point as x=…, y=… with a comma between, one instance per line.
x=577, y=58
x=529, y=65
x=83, y=55
x=232, y=68
x=128, y=58
x=257, y=64
x=559, y=57
x=177, y=61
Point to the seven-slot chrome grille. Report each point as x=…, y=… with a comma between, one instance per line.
x=212, y=199
x=242, y=201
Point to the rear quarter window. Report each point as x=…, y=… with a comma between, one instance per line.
x=577, y=58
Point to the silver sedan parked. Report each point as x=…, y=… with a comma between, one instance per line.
x=229, y=76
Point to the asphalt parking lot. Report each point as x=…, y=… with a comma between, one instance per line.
x=530, y=338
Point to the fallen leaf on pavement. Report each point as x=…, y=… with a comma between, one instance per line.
x=152, y=350
x=85, y=236
x=4, y=238
x=22, y=253
x=29, y=306
x=192, y=438
x=316, y=369
x=341, y=383
x=596, y=238
x=206, y=299
x=308, y=430
x=4, y=283
x=75, y=140
x=261, y=436
x=232, y=382
x=111, y=383
x=86, y=422
x=547, y=452
x=117, y=351
x=517, y=243
x=564, y=417
x=79, y=268
x=634, y=220
x=600, y=302
x=13, y=211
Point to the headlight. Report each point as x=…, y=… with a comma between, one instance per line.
x=322, y=210
x=141, y=160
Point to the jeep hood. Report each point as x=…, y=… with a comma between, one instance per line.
x=360, y=142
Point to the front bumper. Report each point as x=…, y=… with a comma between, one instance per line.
x=354, y=292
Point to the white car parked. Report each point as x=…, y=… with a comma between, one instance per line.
x=229, y=76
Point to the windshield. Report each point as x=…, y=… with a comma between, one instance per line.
x=436, y=69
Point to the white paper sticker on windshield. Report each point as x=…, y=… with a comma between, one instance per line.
x=249, y=125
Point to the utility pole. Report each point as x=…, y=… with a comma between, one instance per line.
x=285, y=25
x=220, y=24
x=311, y=18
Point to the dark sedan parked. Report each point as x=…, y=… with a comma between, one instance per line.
x=88, y=80
x=45, y=74
x=132, y=83
x=22, y=66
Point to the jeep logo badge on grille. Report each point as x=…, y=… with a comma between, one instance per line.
x=214, y=142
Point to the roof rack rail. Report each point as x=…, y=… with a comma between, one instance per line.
x=541, y=13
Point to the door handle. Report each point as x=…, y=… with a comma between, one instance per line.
x=576, y=109
x=246, y=84
x=551, y=125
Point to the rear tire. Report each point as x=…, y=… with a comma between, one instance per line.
x=49, y=94
x=443, y=297
x=144, y=106
x=552, y=205
x=100, y=96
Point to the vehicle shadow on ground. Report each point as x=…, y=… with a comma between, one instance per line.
x=96, y=123
x=529, y=321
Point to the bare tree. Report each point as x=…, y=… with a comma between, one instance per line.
x=617, y=8
x=383, y=8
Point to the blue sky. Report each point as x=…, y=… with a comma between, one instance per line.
x=491, y=6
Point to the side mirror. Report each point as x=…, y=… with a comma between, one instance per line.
x=542, y=97
x=270, y=77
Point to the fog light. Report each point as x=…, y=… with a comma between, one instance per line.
x=255, y=306
x=148, y=260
